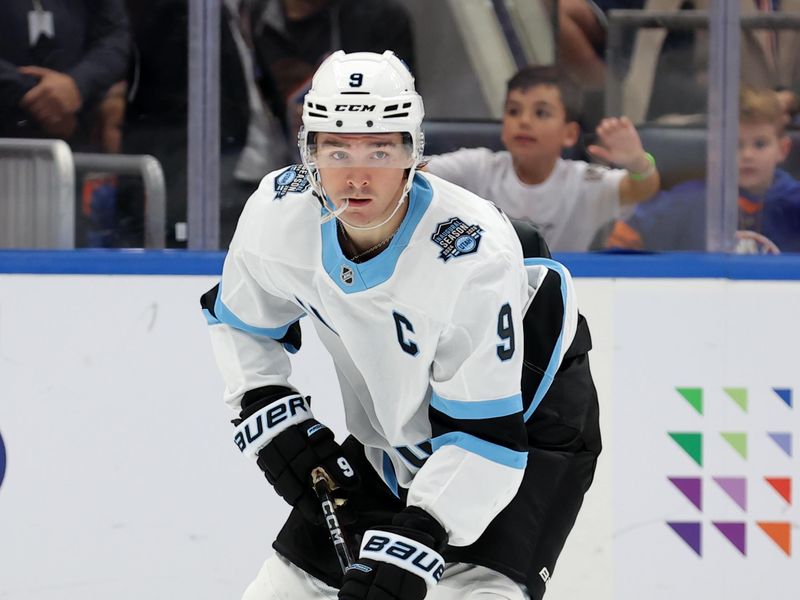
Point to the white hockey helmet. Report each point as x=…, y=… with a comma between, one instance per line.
x=361, y=92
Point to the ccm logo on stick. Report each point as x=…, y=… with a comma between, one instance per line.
x=259, y=428
x=404, y=553
x=333, y=523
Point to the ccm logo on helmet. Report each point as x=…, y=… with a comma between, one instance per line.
x=355, y=107
x=404, y=553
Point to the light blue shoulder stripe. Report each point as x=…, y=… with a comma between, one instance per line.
x=477, y=409
x=225, y=315
x=555, y=358
x=493, y=452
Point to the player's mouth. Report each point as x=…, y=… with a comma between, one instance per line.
x=357, y=202
x=525, y=139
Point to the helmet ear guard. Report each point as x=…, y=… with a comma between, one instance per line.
x=361, y=92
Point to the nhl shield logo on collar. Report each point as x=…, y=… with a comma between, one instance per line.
x=347, y=275
x=456, y=238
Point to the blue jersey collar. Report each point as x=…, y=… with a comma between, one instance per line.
x=352, y=277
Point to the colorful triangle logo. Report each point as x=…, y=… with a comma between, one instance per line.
x=736, y=533
x=694, y=396
x=691, y=443
x=689, y=533
x=784, y=394
x=783, y=439
x=691, y=487
x=737, y=440
x=735, y=488
x=780, y=533
x=738, y=395
x=782, y=485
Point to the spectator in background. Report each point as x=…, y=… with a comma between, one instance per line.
x=58, y=60
x=292, y=37
x=581, y=47
x=667, y=78
x=569, y=201
x=156, y=120
x=769, y=198
x=582, y=37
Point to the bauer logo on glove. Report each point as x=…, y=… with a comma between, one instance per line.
x=405, y=553
x=257, y=430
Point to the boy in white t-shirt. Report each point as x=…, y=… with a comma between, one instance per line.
x=569, y=201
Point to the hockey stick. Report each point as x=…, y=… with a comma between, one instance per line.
x=322, y=487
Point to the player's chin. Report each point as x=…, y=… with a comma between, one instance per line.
x=358, y=216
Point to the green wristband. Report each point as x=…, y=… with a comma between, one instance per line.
x=642, y=175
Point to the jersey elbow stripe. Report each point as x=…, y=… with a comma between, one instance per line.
x=414, y=456
x=507, y=431
x=559, y=347
x=493, y=452
x=225, y=315
x=477, y=409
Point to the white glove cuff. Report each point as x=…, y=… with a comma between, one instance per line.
x=259, y=429
x=410, y=555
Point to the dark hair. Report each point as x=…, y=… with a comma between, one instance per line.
x=531, y=76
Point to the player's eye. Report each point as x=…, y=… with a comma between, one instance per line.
x=543, y=113
x=338, y=155
x=380, y=155
x=512, y=111
x=761, y=143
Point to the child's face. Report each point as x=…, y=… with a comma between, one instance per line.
x=760, y=152
x=535, y=126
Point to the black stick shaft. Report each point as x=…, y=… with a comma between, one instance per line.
x=331, y=520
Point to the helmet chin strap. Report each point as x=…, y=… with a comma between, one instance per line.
x=381, y=224
x=332, y=214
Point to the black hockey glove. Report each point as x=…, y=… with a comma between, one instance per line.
x=398, y=562
x=277, y=428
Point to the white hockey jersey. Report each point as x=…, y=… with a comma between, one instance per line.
x=426, y=337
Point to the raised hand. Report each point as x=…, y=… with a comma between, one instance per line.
x=619, y=144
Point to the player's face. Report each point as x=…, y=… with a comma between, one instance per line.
x=760, y=152
x=535, y=124
x=367, y=170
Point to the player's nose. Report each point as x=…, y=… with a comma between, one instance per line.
x=358, y=179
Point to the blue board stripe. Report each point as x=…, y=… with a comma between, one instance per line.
x=689, y=265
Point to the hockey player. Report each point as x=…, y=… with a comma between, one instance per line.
x=419, y=291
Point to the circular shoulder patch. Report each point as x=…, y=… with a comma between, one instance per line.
x=292, y=180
